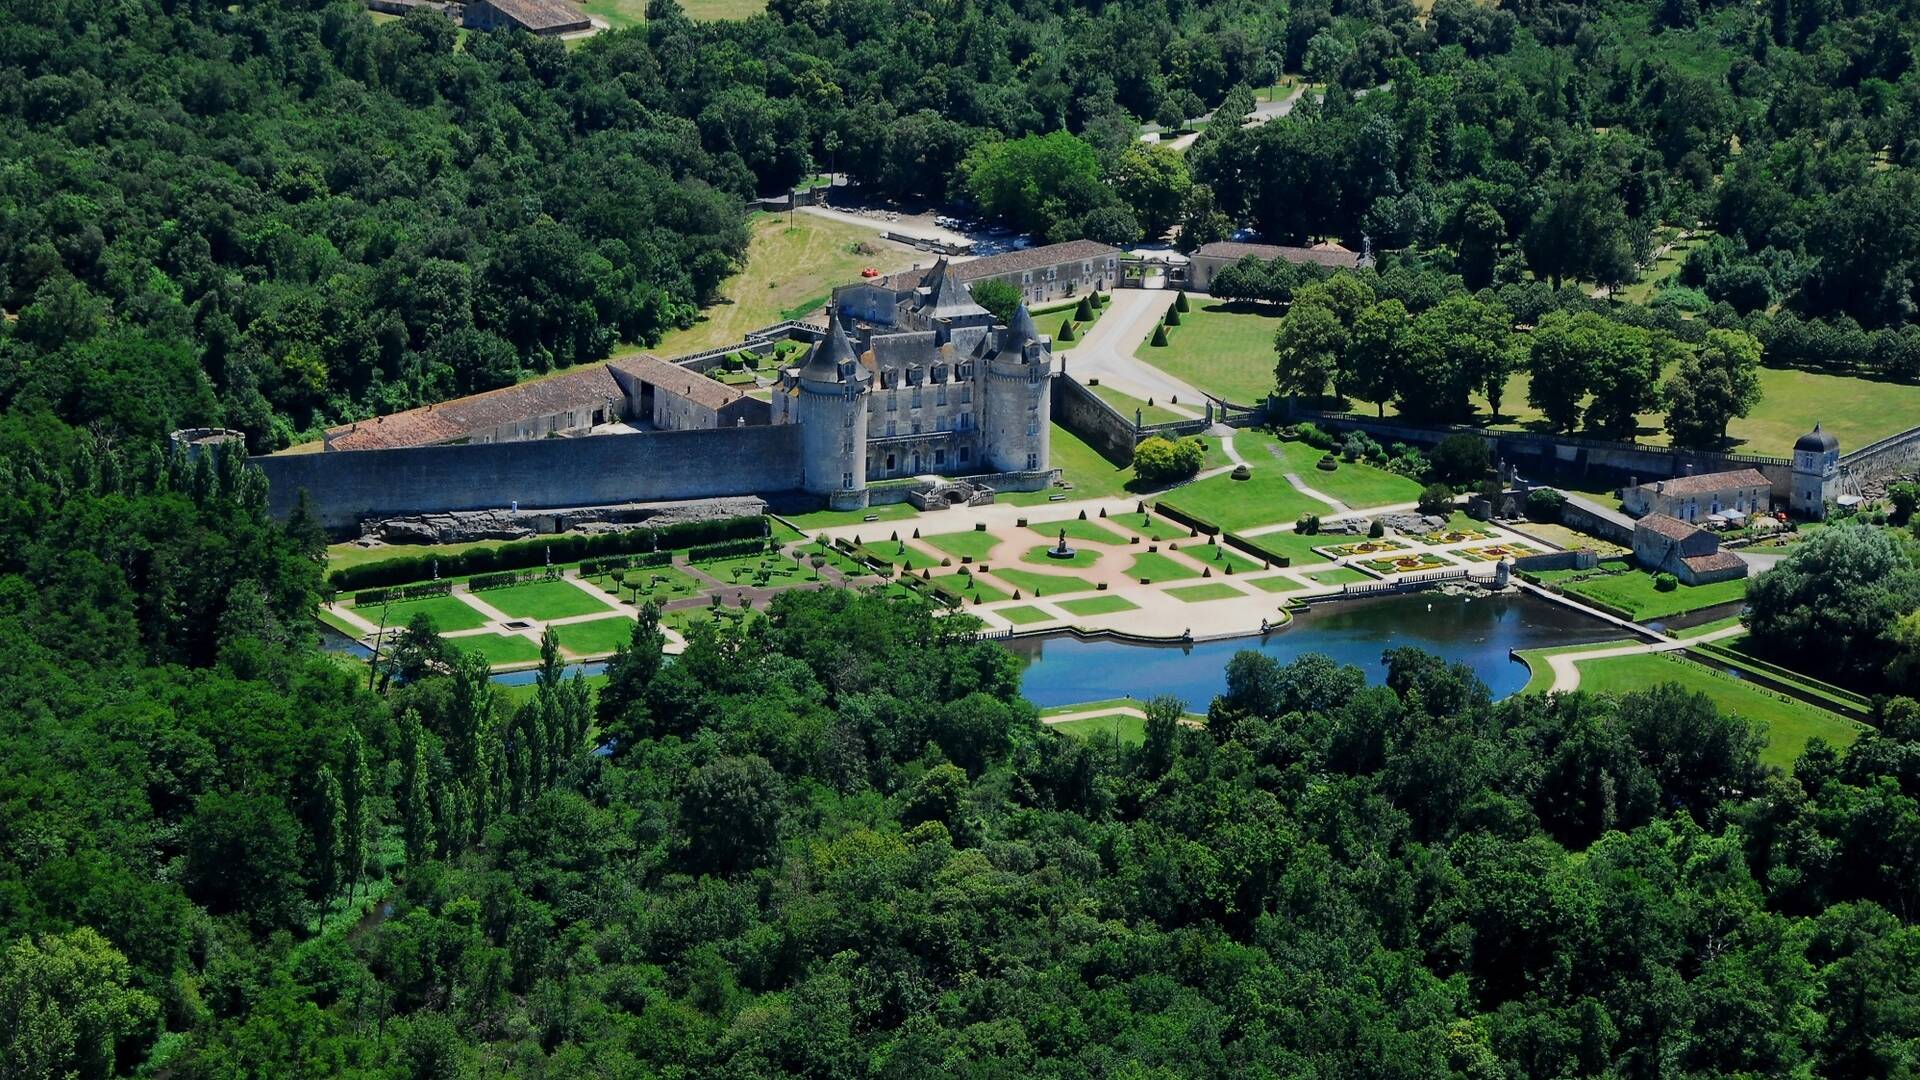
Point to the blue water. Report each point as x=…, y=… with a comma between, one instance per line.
x=529, y=676
x=1477, y=631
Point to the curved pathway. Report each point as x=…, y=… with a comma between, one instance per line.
x=1301, y=486
x=1566, y=666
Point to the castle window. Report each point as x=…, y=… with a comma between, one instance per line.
x=889, y=458
x=1026, y=278
x=940, y=394
x=846, y=420
x=916, y=397
x=1033, y=428
x=887, y=378
x=939, y=457
x=847, y=447
x=916, y=427
x=893, y=401
x=890, y=426
x=1033, y=461
x=966, y=394
x=846, y=480
x=966, y=371
x=965, y=454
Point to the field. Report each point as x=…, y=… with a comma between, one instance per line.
x=499, y=649
x=1296, y=547
x=1788, y=724
x=1195, y=594
x=447, y=612
x=974, y=587
x=542, y=600
x=969, y=544
x=1339, y=575
x=1129, y=729
x=1031, y=584
x=1264, y=499
x=1023, y=615
x=1218, y=556
x=1226, y=351
x=1857, y=411
x=1276, y=583
x=1092, y=476
x=620, y=14
x=789, y=273
x=1358, y=485
x=1126, y=404
x=1633, y=592
x=1038, y=556
x=1090, y=531
x=1098, y=605
x=827, y=519
x=595, y=637
x=1153, y=566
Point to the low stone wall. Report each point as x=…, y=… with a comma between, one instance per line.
x=1081, y=411
x=351, y=486
x=1571, y=559
x=1578, y=519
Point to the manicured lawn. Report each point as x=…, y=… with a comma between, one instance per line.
x=835, y=558
x=1153, y=528
x=827, y=519
x=657, y=583
x=1226, y=350
x=1339, y=575
x=1355, y=483
x=1091, y=532
x=1032, y=585
x=1788, y=724
x=542, y=600
x=771, y=569
x=1218, y=557
x=499, y=649
x=1098, y=605
x=596, y=637
x=1276, y=583
x=1091, y=475
x=1213, y=590
x=969, y=544
x=1632, y=591
x=1296, y=547
x=790, y=270
x=447, y=612
x=1126, y=405
x=1540, y=672
x=1706, y=628
x=344, y=556
x=1153, y=566
x=900, y=553
x=1264, y=499
x=1128, y=729
x=974, y=587
x=1082, y=557
x=1023, y=615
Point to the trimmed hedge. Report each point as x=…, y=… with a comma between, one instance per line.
x=1191, y=521
x=566, y=547
x=646, y=560
x=406, y=592
x=483, y=582
x=726, y=549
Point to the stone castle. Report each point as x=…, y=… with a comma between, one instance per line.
x=917, y=380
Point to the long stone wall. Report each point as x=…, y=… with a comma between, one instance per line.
x=1878, y=462
x=348, y=486
x=1081, y=411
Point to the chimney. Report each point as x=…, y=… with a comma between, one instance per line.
x=1633, y=481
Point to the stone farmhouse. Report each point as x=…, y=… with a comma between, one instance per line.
x=1724, y=498
x=1209, y=258
x=543, y=17
x=924, y=382
x=623, y=394
x=1662, y=543
x=1042, y=274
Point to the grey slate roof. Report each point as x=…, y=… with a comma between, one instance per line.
x=1324, y=255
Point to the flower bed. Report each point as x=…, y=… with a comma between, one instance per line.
x=1364, y=547
x=1496, y=552
x=1457, y=536
x=1407, y=564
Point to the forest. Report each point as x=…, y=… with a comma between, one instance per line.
x=293, y=216
x=835, y=841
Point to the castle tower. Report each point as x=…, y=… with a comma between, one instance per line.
x=1816, y=473
x=1018, y=384
x=831, y=409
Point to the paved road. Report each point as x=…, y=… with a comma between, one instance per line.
x=906, y=225
x=1106, y=353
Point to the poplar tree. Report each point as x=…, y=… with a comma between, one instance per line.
x=329, y=840
x=353, y=805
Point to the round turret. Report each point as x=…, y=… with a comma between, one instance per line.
x=831, y=408
x=1018, y=387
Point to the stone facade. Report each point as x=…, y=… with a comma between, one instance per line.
x=1042, y=274
x=1816, y=473
x=923, y=384
x=1210, y=258
x=1666, y=544
x=1698, y=498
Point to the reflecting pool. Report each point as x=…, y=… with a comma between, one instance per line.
x=1475, y=630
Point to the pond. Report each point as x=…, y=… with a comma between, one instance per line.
x=1477, y=631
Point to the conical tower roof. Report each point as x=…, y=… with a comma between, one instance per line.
x=830, y=356
x=946, y=297
x=1022, y=326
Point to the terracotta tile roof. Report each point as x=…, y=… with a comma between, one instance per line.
x=1670, y=527
x=1325, y=255
x=1719, y=560
x=1012, y=262
x=677, y=380
x=538, y=15
x=1708, y=483
x=429, y=424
